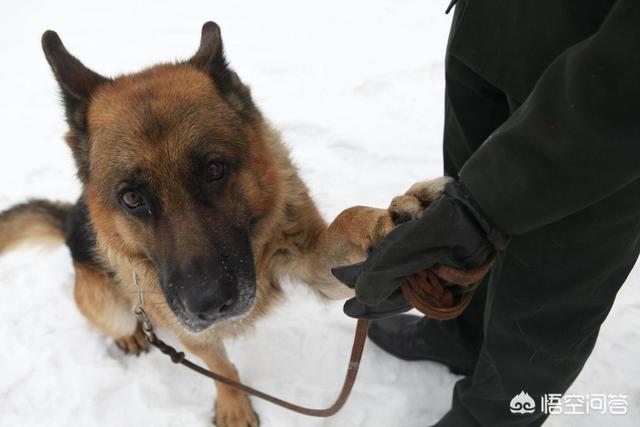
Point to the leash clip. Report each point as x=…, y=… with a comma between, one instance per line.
x=147, y=328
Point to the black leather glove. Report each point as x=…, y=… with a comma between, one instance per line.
x=452, y=231
x=395, y=304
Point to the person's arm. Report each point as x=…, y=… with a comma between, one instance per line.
x=575, y=140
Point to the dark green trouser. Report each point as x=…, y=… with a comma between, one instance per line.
x=536, y=320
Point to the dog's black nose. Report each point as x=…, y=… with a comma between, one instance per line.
x=210, y=301
x=210, y=310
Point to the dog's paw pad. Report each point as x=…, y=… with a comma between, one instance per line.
x=404, y=208
x=134, y=344
x=410, y=205
x=428, y=191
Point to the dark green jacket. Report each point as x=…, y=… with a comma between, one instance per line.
x=576, y=139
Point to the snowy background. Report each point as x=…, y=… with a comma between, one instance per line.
x=357, y=88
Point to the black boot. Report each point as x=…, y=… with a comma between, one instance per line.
x=414, y=338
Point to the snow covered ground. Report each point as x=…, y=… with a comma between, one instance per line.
x=357, y=89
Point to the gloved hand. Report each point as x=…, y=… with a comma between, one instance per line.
x=452, y=231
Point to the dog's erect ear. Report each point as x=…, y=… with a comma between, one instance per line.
x=78, y=84
x=210, y=59
x=210, y=54
x=76, y=81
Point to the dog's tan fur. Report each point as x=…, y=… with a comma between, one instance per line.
x=122, y=122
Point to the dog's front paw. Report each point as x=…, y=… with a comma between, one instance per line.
x=406, y=207
x=135, y=343
x=235, y=410
x=411, y=204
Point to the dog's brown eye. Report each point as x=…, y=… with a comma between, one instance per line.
x=215, y=170
x=131, y=199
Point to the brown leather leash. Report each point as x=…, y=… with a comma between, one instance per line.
x=424, y=291
x=350, y=378
x=176, y=356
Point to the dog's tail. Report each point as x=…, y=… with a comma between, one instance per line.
x=34, y=222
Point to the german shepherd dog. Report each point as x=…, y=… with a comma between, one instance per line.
x=188, y=187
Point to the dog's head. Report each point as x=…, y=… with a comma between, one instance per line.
x=175, y=170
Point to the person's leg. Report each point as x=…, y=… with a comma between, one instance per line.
x=473, y=109
x=547, y=297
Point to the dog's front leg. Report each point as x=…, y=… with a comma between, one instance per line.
x=100, y=299
x=232, y=408
x=345, y=241
x=357, y=229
